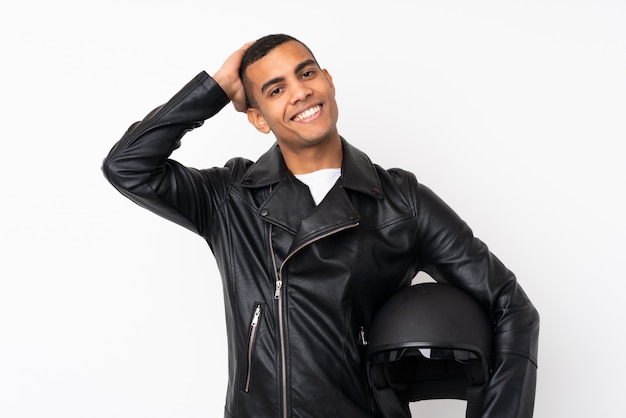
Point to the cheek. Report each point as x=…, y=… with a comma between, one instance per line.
x=274, y=114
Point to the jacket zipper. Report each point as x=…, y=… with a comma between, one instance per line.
x=362, y=337
x=363, y=342
x=278, y=296
x=253, y=330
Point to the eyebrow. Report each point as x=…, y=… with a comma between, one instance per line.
x=298, y=68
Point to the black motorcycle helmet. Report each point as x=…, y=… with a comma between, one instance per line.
x=429, y=341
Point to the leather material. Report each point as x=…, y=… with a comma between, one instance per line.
x=337, y=263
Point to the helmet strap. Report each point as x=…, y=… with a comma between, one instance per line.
x=386, y=398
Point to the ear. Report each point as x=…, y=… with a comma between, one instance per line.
x=257, y=120
x=329, y=78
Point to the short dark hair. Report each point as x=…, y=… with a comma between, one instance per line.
x=260, y=48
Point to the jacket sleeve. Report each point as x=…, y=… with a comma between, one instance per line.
x=139, y=167
x=452, y=254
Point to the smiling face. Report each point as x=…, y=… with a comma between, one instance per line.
x=293, y=98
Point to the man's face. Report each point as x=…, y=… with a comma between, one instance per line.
x=292, y=97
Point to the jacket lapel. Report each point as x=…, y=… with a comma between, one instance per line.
x=290, y=205
x=334, y=213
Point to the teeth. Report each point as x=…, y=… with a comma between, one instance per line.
x=307, y=113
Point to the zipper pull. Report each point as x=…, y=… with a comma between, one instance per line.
x=279, y=284
x=362, y=336
x=255, y=318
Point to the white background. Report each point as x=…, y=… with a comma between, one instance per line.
x=513, y=112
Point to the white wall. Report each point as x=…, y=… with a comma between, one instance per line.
x=513, y=112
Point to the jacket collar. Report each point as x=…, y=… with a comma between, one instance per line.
x=357, y=171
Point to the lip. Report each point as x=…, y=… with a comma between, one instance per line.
x=312, y=117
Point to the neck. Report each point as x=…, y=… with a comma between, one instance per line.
x=312, y=158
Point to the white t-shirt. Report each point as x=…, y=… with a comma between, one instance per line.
x=320, y=182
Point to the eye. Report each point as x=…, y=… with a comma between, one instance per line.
x=275, y=91
x=307, y=74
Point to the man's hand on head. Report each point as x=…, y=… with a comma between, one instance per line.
x=228, y=78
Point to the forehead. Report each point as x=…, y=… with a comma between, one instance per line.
x=280, y=62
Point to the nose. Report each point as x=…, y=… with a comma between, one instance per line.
x=301, y=92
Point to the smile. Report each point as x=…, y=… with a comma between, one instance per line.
x=307, y=114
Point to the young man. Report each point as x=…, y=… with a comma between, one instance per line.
x=311, y=239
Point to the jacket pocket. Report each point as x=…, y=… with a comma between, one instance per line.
x=362, y=343
x=252, y=336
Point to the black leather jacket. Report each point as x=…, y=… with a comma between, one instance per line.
x=302, y=282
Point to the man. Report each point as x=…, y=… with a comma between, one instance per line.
x=311, y=239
